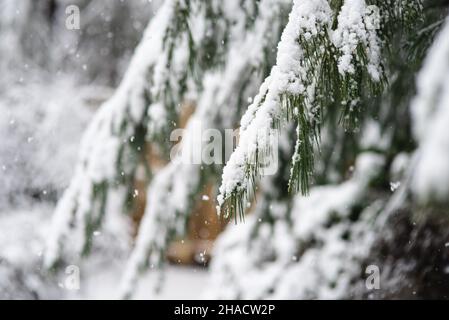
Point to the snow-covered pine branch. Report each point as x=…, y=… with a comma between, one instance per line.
x=319, y=64
x=113, y=145
x=184, y=40
x=175, y=188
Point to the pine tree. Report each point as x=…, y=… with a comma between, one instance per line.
x=338, y=88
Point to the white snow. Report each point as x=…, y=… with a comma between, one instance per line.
x=358, y=25
x=304, y=258
x=430, y=114
x=180, y=283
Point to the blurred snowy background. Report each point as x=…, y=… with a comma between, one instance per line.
x=52, y=80
x=379, y=192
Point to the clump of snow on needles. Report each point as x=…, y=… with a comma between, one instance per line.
x=430, y=114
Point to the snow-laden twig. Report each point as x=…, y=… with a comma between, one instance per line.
x=299, y=252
